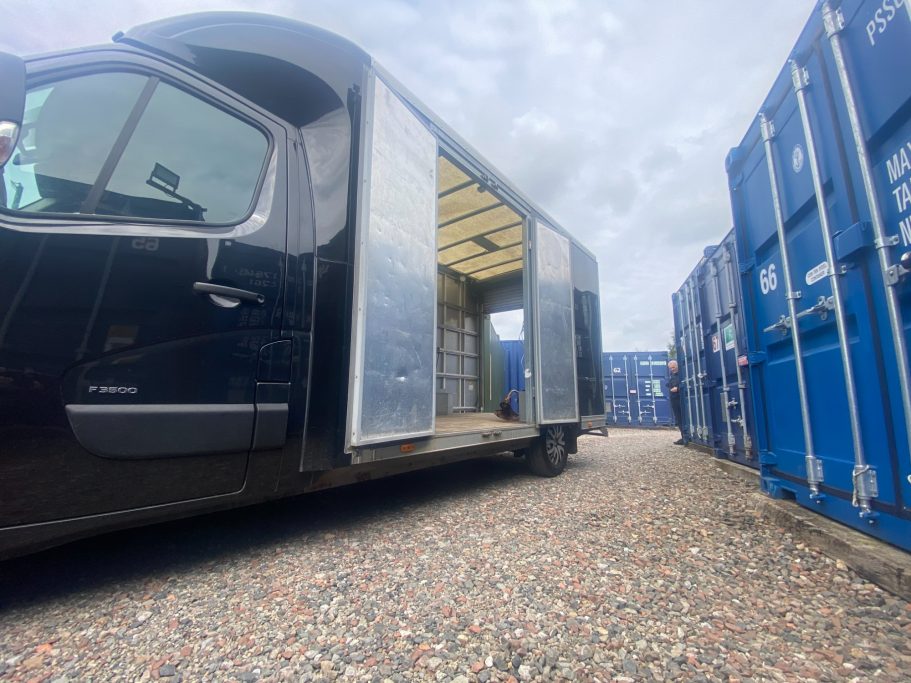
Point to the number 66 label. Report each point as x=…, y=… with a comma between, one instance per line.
x=768, y=279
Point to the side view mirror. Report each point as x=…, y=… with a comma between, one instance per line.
x=12, y=103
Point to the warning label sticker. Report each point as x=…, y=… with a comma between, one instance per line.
x=728, y=332
x=817, y=273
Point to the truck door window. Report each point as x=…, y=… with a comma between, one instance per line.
x=187, y=161
x=67, y=132
x=183, y=159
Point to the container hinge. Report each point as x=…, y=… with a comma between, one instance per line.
x=782, y=325
x=766, y=128
x=887, y=241
x=815, y=475
x=865, y=489
x=800, y=77
x=833, y=20
x=822, y=307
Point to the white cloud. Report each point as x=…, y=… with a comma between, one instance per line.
x=535, y=123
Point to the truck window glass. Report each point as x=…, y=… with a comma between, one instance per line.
x=187, y=160
x=68, y=130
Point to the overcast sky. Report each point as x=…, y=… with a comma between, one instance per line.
x=613, y=115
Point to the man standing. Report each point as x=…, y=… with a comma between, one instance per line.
x=673, y=388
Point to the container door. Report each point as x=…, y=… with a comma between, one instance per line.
x=554, y=328
x=828, y=442
x=686, y=393
x=731, y=345
x=624, y=398
x=877, y=129
x=646, y=401
x=615, y=398
x=493, y=382
x=391, y=380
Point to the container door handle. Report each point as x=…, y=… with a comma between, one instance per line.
x=228, y=297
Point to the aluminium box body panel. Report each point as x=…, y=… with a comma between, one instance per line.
x=387, y=400
x=635, y=394
x=554, y=328
x=391, y=384
x=819, y=176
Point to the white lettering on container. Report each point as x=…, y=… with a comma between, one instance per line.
x=898, y=172
x=817, y=273
x=881, y=19
x=902, y=195
x=899, y=164
x=905, y=226
x=768, y=279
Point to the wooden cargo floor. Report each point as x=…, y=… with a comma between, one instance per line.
x=460, y=423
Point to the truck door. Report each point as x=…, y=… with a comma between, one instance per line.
x=392, y=372
x=555, y=343
x=142, y=247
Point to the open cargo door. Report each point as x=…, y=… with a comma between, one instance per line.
x=391, y=380
x=554, y=331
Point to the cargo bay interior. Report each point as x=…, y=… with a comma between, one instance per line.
x=480, y=252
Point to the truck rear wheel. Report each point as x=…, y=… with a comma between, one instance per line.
x=548, y=454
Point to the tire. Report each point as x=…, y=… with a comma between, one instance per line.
x=548, y=454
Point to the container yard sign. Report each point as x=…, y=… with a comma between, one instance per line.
x=728, y=333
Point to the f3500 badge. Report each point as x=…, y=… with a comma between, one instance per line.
x=113, y=390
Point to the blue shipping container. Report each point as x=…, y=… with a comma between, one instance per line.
x=821, y=196
x=711, y=350
x=730, y=412
x=514, y=369
x=634, y=389
x=689, y=335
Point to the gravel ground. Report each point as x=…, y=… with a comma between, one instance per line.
x=643, y=561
